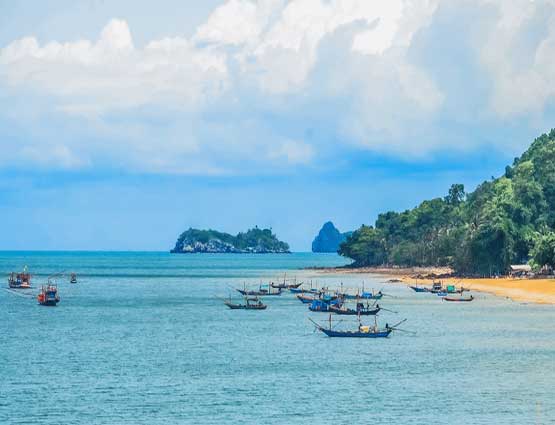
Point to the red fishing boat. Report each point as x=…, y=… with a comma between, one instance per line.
x=48, y=295
x=20, y=280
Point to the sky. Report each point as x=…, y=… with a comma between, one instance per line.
x=123, y=123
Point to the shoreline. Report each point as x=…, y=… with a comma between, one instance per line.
x=537, y=291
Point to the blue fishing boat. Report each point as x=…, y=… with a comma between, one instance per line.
x=419, y=289
x=306, y=299
x=48, y=295
x=362, y=331
x=323, y=306
x=365, y=296
x=361, y=310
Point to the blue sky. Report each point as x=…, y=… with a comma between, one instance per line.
x=123, y=123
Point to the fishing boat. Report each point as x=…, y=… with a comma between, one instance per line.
x=306, y=299
x=20, y=280
x=365, y=296
x=260, y=292
x=73, y=278
x=323, y=306
x=361, y=310
x=48, y=295
x=437, y=287
x=417, y=288
x=363, y=331
x=458, y=299
x=251, y=303
x=286, y=285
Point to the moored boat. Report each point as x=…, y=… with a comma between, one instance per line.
x=361, y=310
x=260, y=292
x=306, y=299
x=365, y=296
x=48, y=295
x=419, y=288
x=362, y=331
x=323, y=306
x=458, y=299
x=73, y=278
x=251, y=303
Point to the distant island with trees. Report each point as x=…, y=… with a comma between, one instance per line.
x=253, y=241
x=507, y=220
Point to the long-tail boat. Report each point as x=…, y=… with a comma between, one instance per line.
x=251, y=303
x=260, y=292
x=324, y=306
x=419, y=289
x=20, y=280
x=365, y=296
x=361, y=310
x=363, y=331
x=306, y=299
x=458, y=299
x=48, y=295
x=286, y=285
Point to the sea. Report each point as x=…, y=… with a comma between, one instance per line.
x=144, y=338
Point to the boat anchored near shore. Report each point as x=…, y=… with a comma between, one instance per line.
x=363, y=331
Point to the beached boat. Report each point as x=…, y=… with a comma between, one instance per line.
x=363, y=331
x=251, y=303
x=361, y=310
x=458, y=299
x=20, y=280
x=48, y=295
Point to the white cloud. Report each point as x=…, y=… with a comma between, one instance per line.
x=293, y=152
x=244, y=90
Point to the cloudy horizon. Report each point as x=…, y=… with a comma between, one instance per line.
x=122, y=125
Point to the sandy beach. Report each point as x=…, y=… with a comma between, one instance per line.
x=540, y=291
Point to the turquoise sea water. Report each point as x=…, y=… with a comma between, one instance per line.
x=142, y=339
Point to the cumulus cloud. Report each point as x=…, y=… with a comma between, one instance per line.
x=259, y=80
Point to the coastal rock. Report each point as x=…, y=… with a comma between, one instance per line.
x=328, y=239
x=254, y=241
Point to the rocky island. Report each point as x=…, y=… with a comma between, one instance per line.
x=329, y=239
x=253, y=241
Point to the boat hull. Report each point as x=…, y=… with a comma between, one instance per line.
x=363, y=297
x=419, y=289
x=49, y=303
x=246, y=307
x=351, y=312
x=458, y=299
x=355, y=334
x=305, y=300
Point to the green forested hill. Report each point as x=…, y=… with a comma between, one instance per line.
x=505, y=221
x=254, y=240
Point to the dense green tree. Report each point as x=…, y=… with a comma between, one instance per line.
x=481, y=232
x=543, y=252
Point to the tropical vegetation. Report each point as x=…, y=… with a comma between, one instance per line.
x=507, y=220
